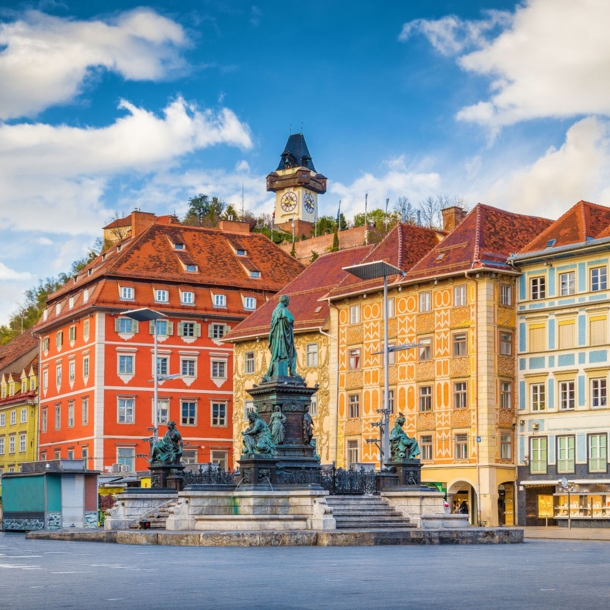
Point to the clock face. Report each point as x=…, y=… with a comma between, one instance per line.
x=289, y=201
x=310, y=203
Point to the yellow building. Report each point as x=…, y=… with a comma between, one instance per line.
x=18, y=403
x=316, y=344
x=456, y=389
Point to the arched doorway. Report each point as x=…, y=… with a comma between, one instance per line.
x=506, y=503
x=461, y=496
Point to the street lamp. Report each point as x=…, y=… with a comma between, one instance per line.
x=569, y=487
x=149, y=315
x=371, y=271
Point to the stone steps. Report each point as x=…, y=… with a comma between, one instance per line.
x=157, y=519
x=365, y=512
x=250, y=522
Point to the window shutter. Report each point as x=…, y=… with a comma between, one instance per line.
x=180, y=329
x=117, y=323
x=227, y=329
x=598, y=331
x=566, y=335
x=197, y=329
x=170, y=328
x=537, y=342
x=135, y=325
x=151, y=327
x=211, y=331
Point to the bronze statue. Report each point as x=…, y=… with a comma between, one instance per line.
x=257, y=438
x=402, y=446
x=168, y=450
x=281, y=342
x=307, y=427
x=278, y=425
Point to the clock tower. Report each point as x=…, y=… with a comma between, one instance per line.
x=296, y=183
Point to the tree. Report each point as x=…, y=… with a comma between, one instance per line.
x=205, y=212
x=293, y=252
x=409, y=211
x=335, y=246
x=314, y=256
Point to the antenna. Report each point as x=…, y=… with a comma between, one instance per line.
x=242, y=200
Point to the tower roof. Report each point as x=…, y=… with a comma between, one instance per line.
x=296, y=154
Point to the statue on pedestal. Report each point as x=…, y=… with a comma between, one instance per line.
x=257, y=438
x=281, y=343
x=307, y=427
x=402, y=446
x=278, y=425
x=168, y=450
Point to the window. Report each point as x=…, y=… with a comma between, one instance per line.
x=353, y=405
x=312, y=354
x=506, y=294
x=354, y=359
x=71, y=302
x=57, y=417
x=13, y=418
x=84, y=406
x=425, y=444
x=461, y=446
x=178, y=246
x=220, y=300
x=597, y=330
x=537, y=341
x=24, y=416
x=45, y=344
x=217, y=331
x=11, y=444
x=188, y=367
x=161, y=296
x=86, y=329
x=352, y=453
x=313, y=407
x=162, y=411
x=391, y=308
x=219, y=369
x=506, y=446
x=391, y=400
x=126, y=410
x=425, y=398
x=425, y=349
x=127, y=294
x=567, y=283
x=538, y=288
x=1, y=445
x=506, y=394
x=538, y=452
x=538, y=391
x=126, y=364
x=164, y=328
x=241, y=252
x=459, y=296
x=188, y=298
x=71, y=370
x=191, y=268
x=2, y=419
x=58, y=375
x=566, y=395
x=248, y=406
x=43, y=423
x=125, y=325
x=598, y=279
x=86, y=366
x=249, y=363
x=354, y=314
x=598, y=456
x=126, y=456
x=220, y=458
x=189, y=456
x=249, y=303
x=255, y=274
x=459, y=395
x=86, y=296
x=598, y=392
x=72, y=333
x=425, y=301
x=187, y=329
x=506, y=344
x=32, y=384
x=565, y=454
x=22, y=443
x=188, y=412
x=71, y=414
x=59, y=339
x=70, y=454
x=162, y=365
x=84, y=454
x=459, y=344
x=391, y=353
x=219, y=414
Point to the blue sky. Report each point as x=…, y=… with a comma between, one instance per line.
x=107, y=106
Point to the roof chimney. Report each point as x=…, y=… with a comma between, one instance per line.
x=140, y=221
x=234, y=226
x=452, y=217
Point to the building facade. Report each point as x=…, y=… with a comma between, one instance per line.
x=563, y=373
x=456, y=388
x=96, y=396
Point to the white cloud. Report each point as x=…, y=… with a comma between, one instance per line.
x=53, y=177
x=46, y=60
x=10, y=274
x=579, y=169
x=550, y=59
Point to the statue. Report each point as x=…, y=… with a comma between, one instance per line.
x=168, y=450
x=401, y=446
x=307, y=428
x=281, y=343
x=257, y=438
x=278, y=423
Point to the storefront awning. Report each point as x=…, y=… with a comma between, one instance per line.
x=575, y=481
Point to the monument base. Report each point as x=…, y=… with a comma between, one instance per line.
x=258, y=472
x=167, y=476
x=416, y=504
x=134, y=505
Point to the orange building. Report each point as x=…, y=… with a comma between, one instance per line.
x=96, y=366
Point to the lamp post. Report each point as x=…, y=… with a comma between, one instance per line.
x=569, y=487
x=150, y=315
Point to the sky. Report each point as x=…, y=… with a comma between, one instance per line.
x=108, y=105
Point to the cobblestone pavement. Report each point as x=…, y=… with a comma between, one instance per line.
x=551, y=574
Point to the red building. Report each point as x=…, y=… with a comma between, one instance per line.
x=96, y=366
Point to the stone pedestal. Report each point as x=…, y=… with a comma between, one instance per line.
x=416, y=504
x=133, y=505
x=167, y=476
x=407, y=471
x=258, y=472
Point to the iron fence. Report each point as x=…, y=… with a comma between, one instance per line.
x=211, y=474
x=338, y=481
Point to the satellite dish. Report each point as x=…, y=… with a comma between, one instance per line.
x=564, y=482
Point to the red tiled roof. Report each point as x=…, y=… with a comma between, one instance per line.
x=402, y=247
x=119, y=222
x=151, y=257
x=581, y=222
x=485, y=238
x=305, y=293
x=17, y=348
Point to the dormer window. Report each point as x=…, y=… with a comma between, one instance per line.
x=255, y=274
x=220, y=300
x=161, y=296
x=249, y=303
x=242, y=252
x=103, y=257
x=71, y=302
x=57, y=309
x=90, y=272
x=127, y=293
x=45, y=315
x=86, y=296
x=118, y=248
x=188, y=298
x=75, y=279
x=179, y=247
x=191, y=268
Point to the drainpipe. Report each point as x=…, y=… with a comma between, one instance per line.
x=331, y=304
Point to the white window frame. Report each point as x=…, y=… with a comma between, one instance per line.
x=220, y=300
x=567, y=283
x=127, y=293
x=460, y=348
x=506, y=346
x=538, y=397
x=84, y=411
x=460, y=446
x=23, y=416
x=187, y=297
x=249, y=363
x=427, y=452
x=460, y=395
x=126, y=460
x=600, y=448
x=70, y=414
x=220, y=457
x=353, y=405
x=188, y=360
x=506, y=295
x=126, y=364
x=566, y=454
x=354, y=314
x=352, y=451
x=599, y=394
x=459, y=296
x=506, y=446
x=539, y=446
x=221, y=362
x=425, y=301
x=22, y=443
x=506, y=394
x=601, y=281
x=189, y=401
x=221, y=422
x=161, y=295
x=250, y=303
x=86, y=369
x=312, y=356
x=567, y=395
x=354, y=356
x=125, y=411
x=538, y=288
x=424, y=398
